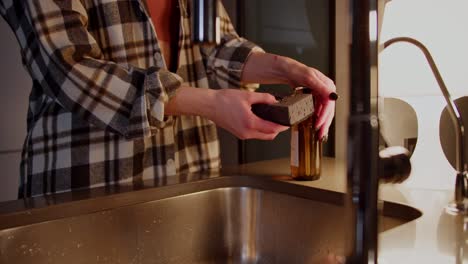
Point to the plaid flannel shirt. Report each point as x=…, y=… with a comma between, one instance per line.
x=96, y=109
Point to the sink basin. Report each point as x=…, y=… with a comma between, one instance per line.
x=223, y=220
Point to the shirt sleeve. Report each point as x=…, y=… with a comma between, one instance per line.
x=225, y=62
x=70, y=66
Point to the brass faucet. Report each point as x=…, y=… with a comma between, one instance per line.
x=459, y=205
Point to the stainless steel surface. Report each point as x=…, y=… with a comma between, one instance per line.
x=435, y=237
x=363, y=132
x=232, y=219
x=460, y=204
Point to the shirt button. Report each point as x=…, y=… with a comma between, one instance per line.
x=157, y=56
x=170, y=167
x=159, y=60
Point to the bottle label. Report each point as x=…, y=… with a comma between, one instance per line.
x=295, y=148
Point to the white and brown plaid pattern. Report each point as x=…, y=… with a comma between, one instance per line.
x=96, y=109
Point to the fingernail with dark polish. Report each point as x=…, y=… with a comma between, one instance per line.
x=333, y=96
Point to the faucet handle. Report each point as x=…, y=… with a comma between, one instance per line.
x=395, y=164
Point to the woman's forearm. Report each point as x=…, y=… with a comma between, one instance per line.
x=267, y=68
x=191, y=101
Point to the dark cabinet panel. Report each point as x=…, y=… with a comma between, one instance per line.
x=300, y=29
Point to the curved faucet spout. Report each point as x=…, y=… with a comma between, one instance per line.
x=461, y=191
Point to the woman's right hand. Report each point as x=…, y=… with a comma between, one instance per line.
x=232, y=111
x=227, y=108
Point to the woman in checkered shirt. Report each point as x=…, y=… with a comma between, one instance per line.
x=122, y=96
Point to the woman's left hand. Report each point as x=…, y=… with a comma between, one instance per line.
x=300, y=75
x=273, y=69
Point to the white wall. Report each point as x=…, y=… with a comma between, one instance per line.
x=15, y=85
x=405, y=74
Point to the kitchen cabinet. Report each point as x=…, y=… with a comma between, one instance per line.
x=300, y=29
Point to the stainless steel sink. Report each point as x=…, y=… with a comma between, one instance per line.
x=223, y=220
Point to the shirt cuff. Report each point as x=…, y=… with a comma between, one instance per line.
x=243, y=50
x=160, y=86
x=226, y=64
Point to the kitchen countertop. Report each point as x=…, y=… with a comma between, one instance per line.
x=435, y=237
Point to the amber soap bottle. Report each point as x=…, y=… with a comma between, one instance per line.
x=306, y=151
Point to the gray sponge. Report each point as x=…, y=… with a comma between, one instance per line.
x=289, y=111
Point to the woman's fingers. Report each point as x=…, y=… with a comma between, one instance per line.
x=261, y=98
x=264, y=126
x=325, y=127
x=327, y=109
x=325, y=117
x=327, y=83
x=320, y=84
x=262, y=136
x=257, y=124
x=261, y=129
x=318, y=107
x=236, y=116
x=321, y=87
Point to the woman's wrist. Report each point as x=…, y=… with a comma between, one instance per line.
x=284, y=67
x=266, y=68
x=192, y=101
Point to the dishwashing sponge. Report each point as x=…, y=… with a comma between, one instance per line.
x=289, y=111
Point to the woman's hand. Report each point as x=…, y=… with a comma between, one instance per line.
x=233, y=113
x=270, y=68
x=227, y=108
x=298, y=75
